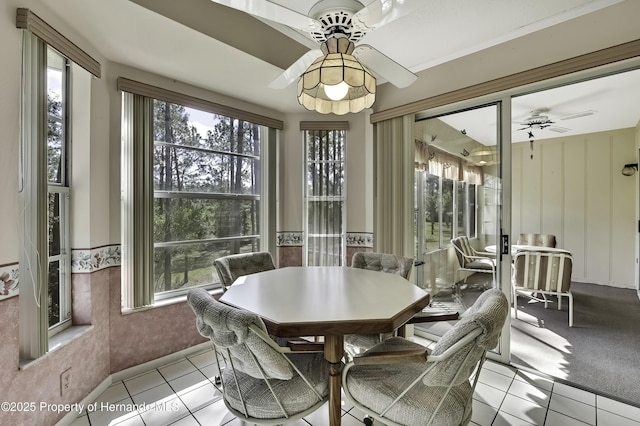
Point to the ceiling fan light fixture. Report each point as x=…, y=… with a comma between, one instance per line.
x=337, y=68
x=483, y=156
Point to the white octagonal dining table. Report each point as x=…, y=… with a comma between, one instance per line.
x=328, y=301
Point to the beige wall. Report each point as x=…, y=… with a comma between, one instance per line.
x=573, y=188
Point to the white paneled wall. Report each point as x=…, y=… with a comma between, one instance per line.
x=573, y=188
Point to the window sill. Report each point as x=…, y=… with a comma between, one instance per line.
x=56, y=342
x=215, y=293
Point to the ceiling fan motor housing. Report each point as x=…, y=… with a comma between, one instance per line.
x=336, y=17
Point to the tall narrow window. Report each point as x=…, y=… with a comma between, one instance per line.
x=55, y=98
x=325, y=197
x=58, y=107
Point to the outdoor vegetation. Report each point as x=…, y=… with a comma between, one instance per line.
x=206, y=194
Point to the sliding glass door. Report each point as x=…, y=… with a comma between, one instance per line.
x=458, y=208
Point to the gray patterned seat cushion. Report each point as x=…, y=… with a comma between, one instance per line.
x=231, y=267
x=294, y=393
x=384, y=262
x=248, y=358
x=376, y=386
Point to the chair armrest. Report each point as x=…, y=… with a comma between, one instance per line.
x=394, y=357
x=492, y=259
x=486, y=254
x=421, y=317
x=302, y=345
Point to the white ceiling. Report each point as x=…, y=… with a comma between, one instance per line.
x=221, y=49
x=611, y=101
x=176, y=41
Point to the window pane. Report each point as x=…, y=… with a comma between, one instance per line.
x=200, y=160
x=325, y=178
x=54, y=293
x=324, y=250
x=462, y=212
x=473, y=189
x=54, y=224
x=325, y=217
x=196, y=170
x=55, y=118
x=187, y=219
x=447, y=211
x=189, y=265
x=432, y=212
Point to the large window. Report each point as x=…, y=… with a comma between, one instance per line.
x=206, y=178
x=325, y=197
x=194, y=179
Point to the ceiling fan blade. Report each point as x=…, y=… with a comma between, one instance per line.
x=578, y=115
x=381, y=12
x=273, y=12
x=384, y=67
x=558, y=129
x=296, y=69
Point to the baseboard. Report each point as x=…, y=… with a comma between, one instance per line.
x=155, y=363
x=131, y=372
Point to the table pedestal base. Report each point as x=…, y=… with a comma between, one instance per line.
x=333, y=353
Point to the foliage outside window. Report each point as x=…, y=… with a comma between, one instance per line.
x=325, y=197
x=206, y=180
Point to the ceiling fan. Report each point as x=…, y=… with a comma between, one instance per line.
x=337, y=25
x=537, y=120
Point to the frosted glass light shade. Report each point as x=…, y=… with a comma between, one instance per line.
x=336, y=92
x=337, y=67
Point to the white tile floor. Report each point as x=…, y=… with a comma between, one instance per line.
x=182, y=394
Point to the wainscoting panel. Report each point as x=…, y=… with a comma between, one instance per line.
x=573, y=188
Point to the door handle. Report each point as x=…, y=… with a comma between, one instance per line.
x=504, y=244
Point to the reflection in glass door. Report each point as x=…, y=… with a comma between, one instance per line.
x=457, y=199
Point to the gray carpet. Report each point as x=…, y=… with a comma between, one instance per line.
x=601, y=352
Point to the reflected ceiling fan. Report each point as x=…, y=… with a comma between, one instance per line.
x=537, y=120
x=338, y=77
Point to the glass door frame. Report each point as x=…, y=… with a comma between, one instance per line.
x=503, y=214
x=504, y=98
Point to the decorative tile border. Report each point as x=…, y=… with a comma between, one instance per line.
x=9, y=281
x=289, y=239
x=82, y=261
x=360, y=239
x=296, y=239
x=91, y=260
